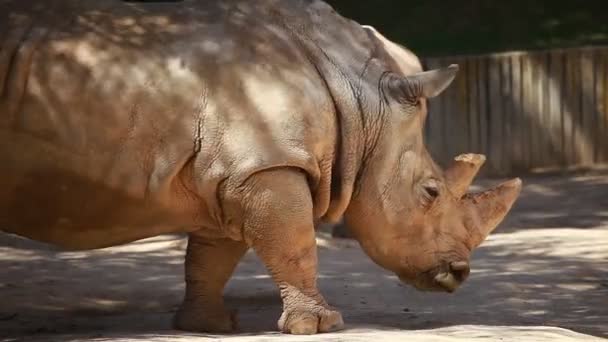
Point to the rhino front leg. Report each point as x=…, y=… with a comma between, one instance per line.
x=209, y=265
x=278, y=224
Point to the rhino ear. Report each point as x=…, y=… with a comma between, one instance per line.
x=433, y=82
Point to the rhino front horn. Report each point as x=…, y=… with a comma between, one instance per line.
x=460, y=175
x=490, y=207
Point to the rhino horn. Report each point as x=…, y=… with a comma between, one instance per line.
x=491, y=206
x=461, y=173
x=433, y=82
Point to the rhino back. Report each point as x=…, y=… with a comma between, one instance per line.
x=104, y=104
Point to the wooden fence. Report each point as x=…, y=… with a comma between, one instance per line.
x=524, y=110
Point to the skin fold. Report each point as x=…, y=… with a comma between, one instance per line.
x=241, y=123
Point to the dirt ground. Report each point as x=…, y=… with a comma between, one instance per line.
x=543, y=276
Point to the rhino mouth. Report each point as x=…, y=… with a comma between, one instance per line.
x=447, y=278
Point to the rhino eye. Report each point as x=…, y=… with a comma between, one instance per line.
x=430, y=190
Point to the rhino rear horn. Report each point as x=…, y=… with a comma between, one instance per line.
x=461, y=173
x=434, y=82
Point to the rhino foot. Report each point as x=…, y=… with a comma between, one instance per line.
x=308, y=321
x=205, y=320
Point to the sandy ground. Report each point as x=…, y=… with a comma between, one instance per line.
x=543, y=276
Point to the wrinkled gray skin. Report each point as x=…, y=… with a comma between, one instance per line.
x=241, y=123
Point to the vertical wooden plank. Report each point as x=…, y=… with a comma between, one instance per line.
x=572, y=108
x=443, y=122
x=426, y=131
x=447, y=120
x=527, y=110
x=605, y=112
x=495, y=115
x=602, y=91
x=450, y=119
x=532, y=114
x=550, y=160
x=598, y=88
x=460, y=103
x=517, y=148
x=597, y=128
x=434, y=119
x=507, y=113
x=539, y=124
x=556, y=86
x=482, y=96
x=473, y=100
x=588, y=107
x=539, y=134
x=543, y=108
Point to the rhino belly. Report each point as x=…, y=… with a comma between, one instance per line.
x=58, y=198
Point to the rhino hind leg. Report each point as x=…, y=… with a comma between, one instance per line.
x=276, y=207
x=209, y=265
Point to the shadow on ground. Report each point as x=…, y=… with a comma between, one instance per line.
x=526, y=276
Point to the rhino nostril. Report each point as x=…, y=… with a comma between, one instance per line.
x=460, y=270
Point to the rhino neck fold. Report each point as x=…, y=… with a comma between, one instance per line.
x=353, y=90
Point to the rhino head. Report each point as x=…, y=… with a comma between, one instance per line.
x=410, y=216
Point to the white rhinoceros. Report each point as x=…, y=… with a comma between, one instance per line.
x=241, y=123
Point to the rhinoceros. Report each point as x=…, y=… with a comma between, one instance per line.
x=242, y=123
